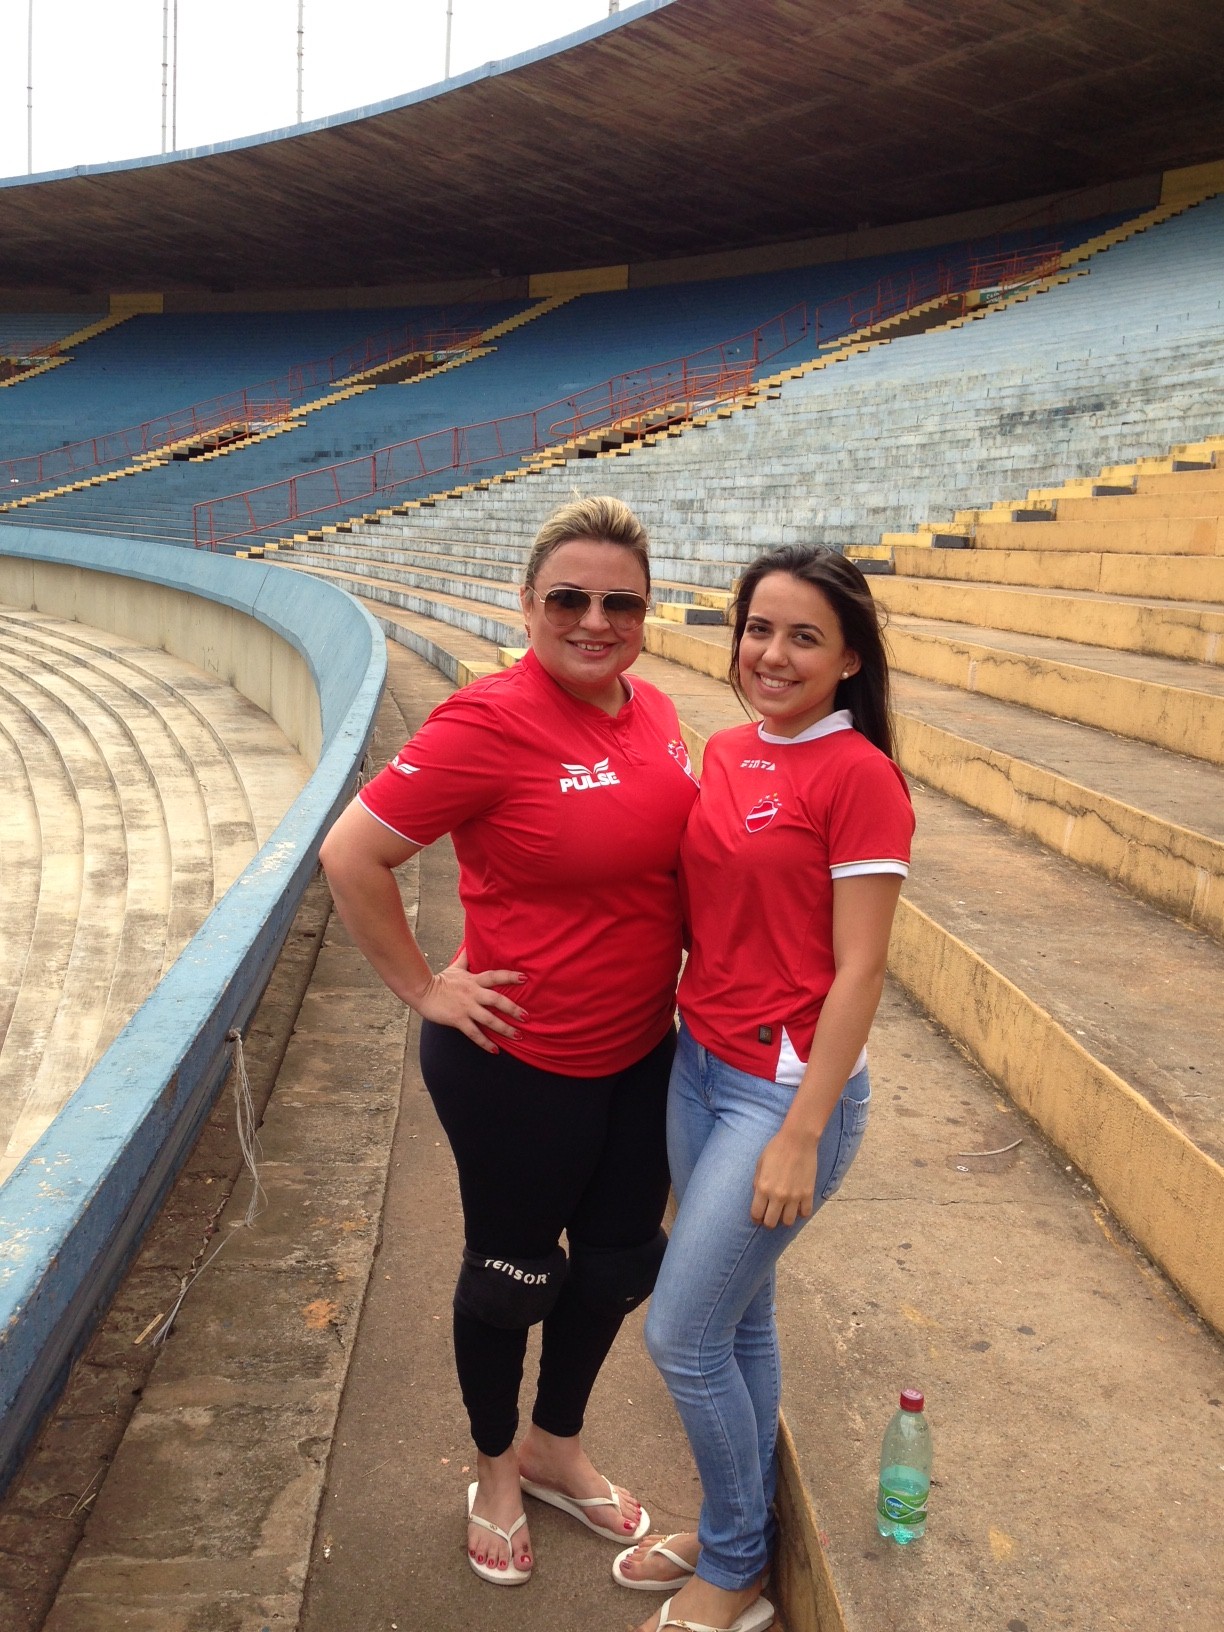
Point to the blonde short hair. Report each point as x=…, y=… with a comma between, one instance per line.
x=603, y=520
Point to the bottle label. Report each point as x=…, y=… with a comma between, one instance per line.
x=903, y=1503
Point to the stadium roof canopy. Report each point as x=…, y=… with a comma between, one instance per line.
x=676, y=128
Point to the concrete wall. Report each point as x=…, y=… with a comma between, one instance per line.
x=73, y=1212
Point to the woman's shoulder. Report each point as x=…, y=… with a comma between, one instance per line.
x=500, y=695
x=861, y=765
x=732, y=739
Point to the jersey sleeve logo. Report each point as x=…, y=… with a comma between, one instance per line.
x=762, y=813
x=678, y=749
x=402, y=766
x=582, y=778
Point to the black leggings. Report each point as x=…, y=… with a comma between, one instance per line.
x=539, y=1153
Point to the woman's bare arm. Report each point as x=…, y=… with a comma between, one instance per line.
x=863, y=909
x=359, y=856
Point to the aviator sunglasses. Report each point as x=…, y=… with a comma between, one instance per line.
x=564, y=606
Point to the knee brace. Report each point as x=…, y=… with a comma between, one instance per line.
x=509, y=1292
x=616, y=1278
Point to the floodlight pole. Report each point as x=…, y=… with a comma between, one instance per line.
x=446, y=64
x=165, y=66
x=301, y=51
x=30, y=90
x=174, y=84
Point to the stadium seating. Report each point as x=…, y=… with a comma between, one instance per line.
x=138, y=790
x=155, y=365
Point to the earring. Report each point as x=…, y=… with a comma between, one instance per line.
x=845, y=674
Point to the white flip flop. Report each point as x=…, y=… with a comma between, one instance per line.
x=758, y=1617
x=663, y=1551
x=576, y=1507
x=511, y=1576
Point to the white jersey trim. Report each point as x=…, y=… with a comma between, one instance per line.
x=841, y=719
x=856, y=869
x=791, y=1067
x=388, y=826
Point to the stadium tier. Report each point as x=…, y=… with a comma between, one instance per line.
x=139, y=790
x=158, y=366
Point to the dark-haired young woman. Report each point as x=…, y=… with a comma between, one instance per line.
x=791, y=866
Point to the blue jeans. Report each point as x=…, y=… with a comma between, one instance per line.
x=711, y=1328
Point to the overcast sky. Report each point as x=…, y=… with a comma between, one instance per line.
x=97, y=70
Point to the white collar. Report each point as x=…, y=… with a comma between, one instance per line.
x=841, y=719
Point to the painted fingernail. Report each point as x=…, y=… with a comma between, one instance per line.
x=516, y=1035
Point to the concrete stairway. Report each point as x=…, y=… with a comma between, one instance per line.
x=136, y=791
x=1061, y=717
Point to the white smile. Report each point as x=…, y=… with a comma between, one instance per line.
x=774, y=685
x=591, y=646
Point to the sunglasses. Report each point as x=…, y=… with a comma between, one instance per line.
x=564, y=607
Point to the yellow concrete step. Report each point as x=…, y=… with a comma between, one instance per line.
x=1132, y=507
x=1163, y=701
x=1154, y=536
x=1191, y=630
x=1155, y=577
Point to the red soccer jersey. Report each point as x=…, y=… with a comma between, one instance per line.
x=777, y=821
x=567, y=824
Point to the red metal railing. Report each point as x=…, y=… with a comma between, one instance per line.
x=901, y=292
x=247, y=410
x=662, y=393
x=1020, y=266
x=251, y=407
x=382, y=348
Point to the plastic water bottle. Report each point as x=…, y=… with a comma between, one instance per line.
x=905, y=1472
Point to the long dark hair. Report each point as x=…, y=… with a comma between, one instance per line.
x=865, y=694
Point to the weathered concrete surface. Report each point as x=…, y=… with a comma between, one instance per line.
x=1076, y=1404
x=203, y=1518
x=44, y=1512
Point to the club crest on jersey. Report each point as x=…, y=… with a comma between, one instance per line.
x=580, y=778
x=678, y=749
x=762, y=813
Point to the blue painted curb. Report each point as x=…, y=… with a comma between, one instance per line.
x=74, y=1210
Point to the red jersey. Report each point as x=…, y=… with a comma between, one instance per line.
x=777, y=821
x=567, y=824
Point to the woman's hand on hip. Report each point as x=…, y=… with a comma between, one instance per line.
x=785, y=1180
x=469, y=1002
